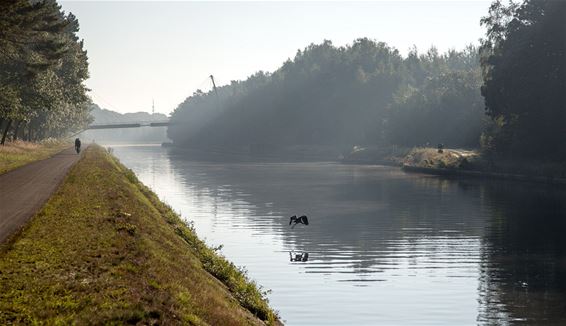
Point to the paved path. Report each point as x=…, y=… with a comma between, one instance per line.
x=23, y=191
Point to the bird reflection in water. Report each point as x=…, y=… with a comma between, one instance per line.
x=301, y=256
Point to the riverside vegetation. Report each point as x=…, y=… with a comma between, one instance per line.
x=105, y=249
x=504, y=98
x=18, y=153
x=43, y=67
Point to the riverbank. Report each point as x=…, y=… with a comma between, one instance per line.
x=464, y=163
x=386, y=155
x=458, y=163
x=19, y=153
x=104, y=249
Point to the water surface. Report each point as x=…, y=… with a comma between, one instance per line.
x=385, y=247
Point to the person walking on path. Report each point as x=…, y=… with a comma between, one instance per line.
x=77, y=145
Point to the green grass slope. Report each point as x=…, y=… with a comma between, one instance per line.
x=105, y=250
x=18, y=153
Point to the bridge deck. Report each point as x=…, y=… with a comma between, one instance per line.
x=128, y=125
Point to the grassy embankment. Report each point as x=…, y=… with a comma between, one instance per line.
x=448, y=159
x=105, y=250
x=18, y=153
x=418, y=157
x=459, y=162
x=474, y=163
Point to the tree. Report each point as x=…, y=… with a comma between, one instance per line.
x=43, y=67
x=524, y=71
x=447, y=109
x=337, y=97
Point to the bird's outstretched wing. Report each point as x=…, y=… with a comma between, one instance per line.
x=304, y=220
x=293, y=218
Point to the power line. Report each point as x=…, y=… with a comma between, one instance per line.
x=105, y=101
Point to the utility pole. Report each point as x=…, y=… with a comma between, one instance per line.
x=215, y=93
x=214, y=85
x=152, y=106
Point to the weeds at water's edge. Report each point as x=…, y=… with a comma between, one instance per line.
x=465, y=160
x=247, y=292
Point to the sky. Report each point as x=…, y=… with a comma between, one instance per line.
x=142, y=52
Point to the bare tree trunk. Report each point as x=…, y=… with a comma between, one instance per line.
x=6, y=132
x=23, y=130
x=16, y=129
x=31, y=131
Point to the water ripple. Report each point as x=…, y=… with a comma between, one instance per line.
x=384, y=247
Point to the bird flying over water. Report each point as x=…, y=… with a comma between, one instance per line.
x=296, y=220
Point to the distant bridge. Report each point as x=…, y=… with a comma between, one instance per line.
x=128, y=125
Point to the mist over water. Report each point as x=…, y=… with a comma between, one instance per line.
x=384, y=247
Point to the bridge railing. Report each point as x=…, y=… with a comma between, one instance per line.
x=128, y=125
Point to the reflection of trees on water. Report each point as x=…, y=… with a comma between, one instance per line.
x=361, y=218
x=523, y=274
x=367, y=219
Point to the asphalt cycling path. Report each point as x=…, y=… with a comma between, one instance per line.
x=23, y=191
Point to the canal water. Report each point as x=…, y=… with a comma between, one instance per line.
x=384, y=247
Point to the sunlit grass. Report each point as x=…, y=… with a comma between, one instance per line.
x=18, y=153
x=482, y=162
x=448, y=159
x=105, y=250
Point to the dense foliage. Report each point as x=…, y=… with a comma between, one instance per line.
x=446, y=107
x=42, y=69
x=363, y=93
x=524, y=67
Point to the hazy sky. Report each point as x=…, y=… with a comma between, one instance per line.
x=139, y=51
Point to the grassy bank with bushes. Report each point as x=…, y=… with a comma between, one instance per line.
x=476, y=164
x=18, y=153
x=105, y=250
x=427, y=157
x=459, y=162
